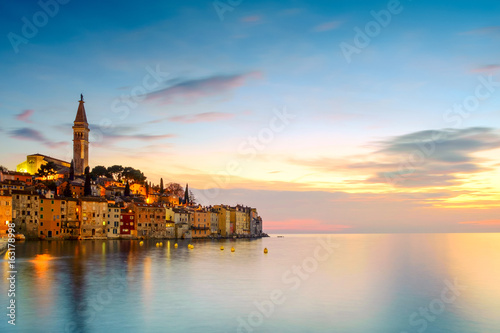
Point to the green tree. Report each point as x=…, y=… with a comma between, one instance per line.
x=67, y=190
x=3, y=169
x=192, y=198
x=127, y=190
x=87, y=190
x=72, y=171
x=115, y=171
x=99, y=171
x=48, y=169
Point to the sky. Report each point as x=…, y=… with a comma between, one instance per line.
x=328, y=116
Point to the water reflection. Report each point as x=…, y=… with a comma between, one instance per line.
x=367, y=283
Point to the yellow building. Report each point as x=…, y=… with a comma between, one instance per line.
x=70, y=218
x=238, y=220
x=224, y=219
x=94, y=217
x=137, y=188
x=5, y=212
x=35, y=161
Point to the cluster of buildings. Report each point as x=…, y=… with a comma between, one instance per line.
x=48, y=212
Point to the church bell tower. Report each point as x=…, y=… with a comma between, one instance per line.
x=80, y=140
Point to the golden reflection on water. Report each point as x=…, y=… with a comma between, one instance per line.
x=474, y=259
x=43, y=283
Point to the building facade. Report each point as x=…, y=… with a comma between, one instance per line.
x=25, y=208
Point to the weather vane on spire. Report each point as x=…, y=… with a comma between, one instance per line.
x=81, y=97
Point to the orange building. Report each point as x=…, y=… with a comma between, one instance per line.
x=77, y=190
x=5, y=211
x=50, y=218
x=151, y=220
x=201, y=224
x=19, y=176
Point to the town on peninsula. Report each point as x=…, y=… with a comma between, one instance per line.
x=51, y=199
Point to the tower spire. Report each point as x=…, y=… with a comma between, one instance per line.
x=80, y=139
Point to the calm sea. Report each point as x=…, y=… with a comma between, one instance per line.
x=306, y=283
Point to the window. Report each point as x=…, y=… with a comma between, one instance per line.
x=41, y=223
x=41, y=200
x=57, y=232
x=51, y=202
x=41, y=209
x=57, y=224
x=131, y=217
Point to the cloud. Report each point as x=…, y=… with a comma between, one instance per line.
x=253, y=18
x=483, y=222
x=327, y=26
x=112, y=137
x=193, y=90
x=487, y=69
x=34, y=135
x=420, y=159
x=25, y=116
x=202, y=117
x=483, y=31
x=446, y=146
x=306, y=225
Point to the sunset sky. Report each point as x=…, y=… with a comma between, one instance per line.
x=322, y=117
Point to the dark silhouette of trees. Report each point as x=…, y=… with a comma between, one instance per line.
x=99, y=171
x=175, y=189
x=48, y=169
x=87, y=190
x=67, y=190
x=72, y=171
x=127, y=190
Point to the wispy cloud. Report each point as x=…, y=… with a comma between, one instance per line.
x=483, y=222
x=487, y=69
x=483, y=31
x=420, y=159
x=327, y=26
x=34, y=135
x=202, y=117
x=303, y=225
x=193, y=90
x=252, y=18
x=25, y=116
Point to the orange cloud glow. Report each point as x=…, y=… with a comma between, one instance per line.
x=483, y=222
x=304, y=225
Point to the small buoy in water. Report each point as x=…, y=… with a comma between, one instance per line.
x=157, y=244
x=222, y=248
x=175, y=245
x=141, y=243
x=161, y=243
x=232, y=249
x=265, y=250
